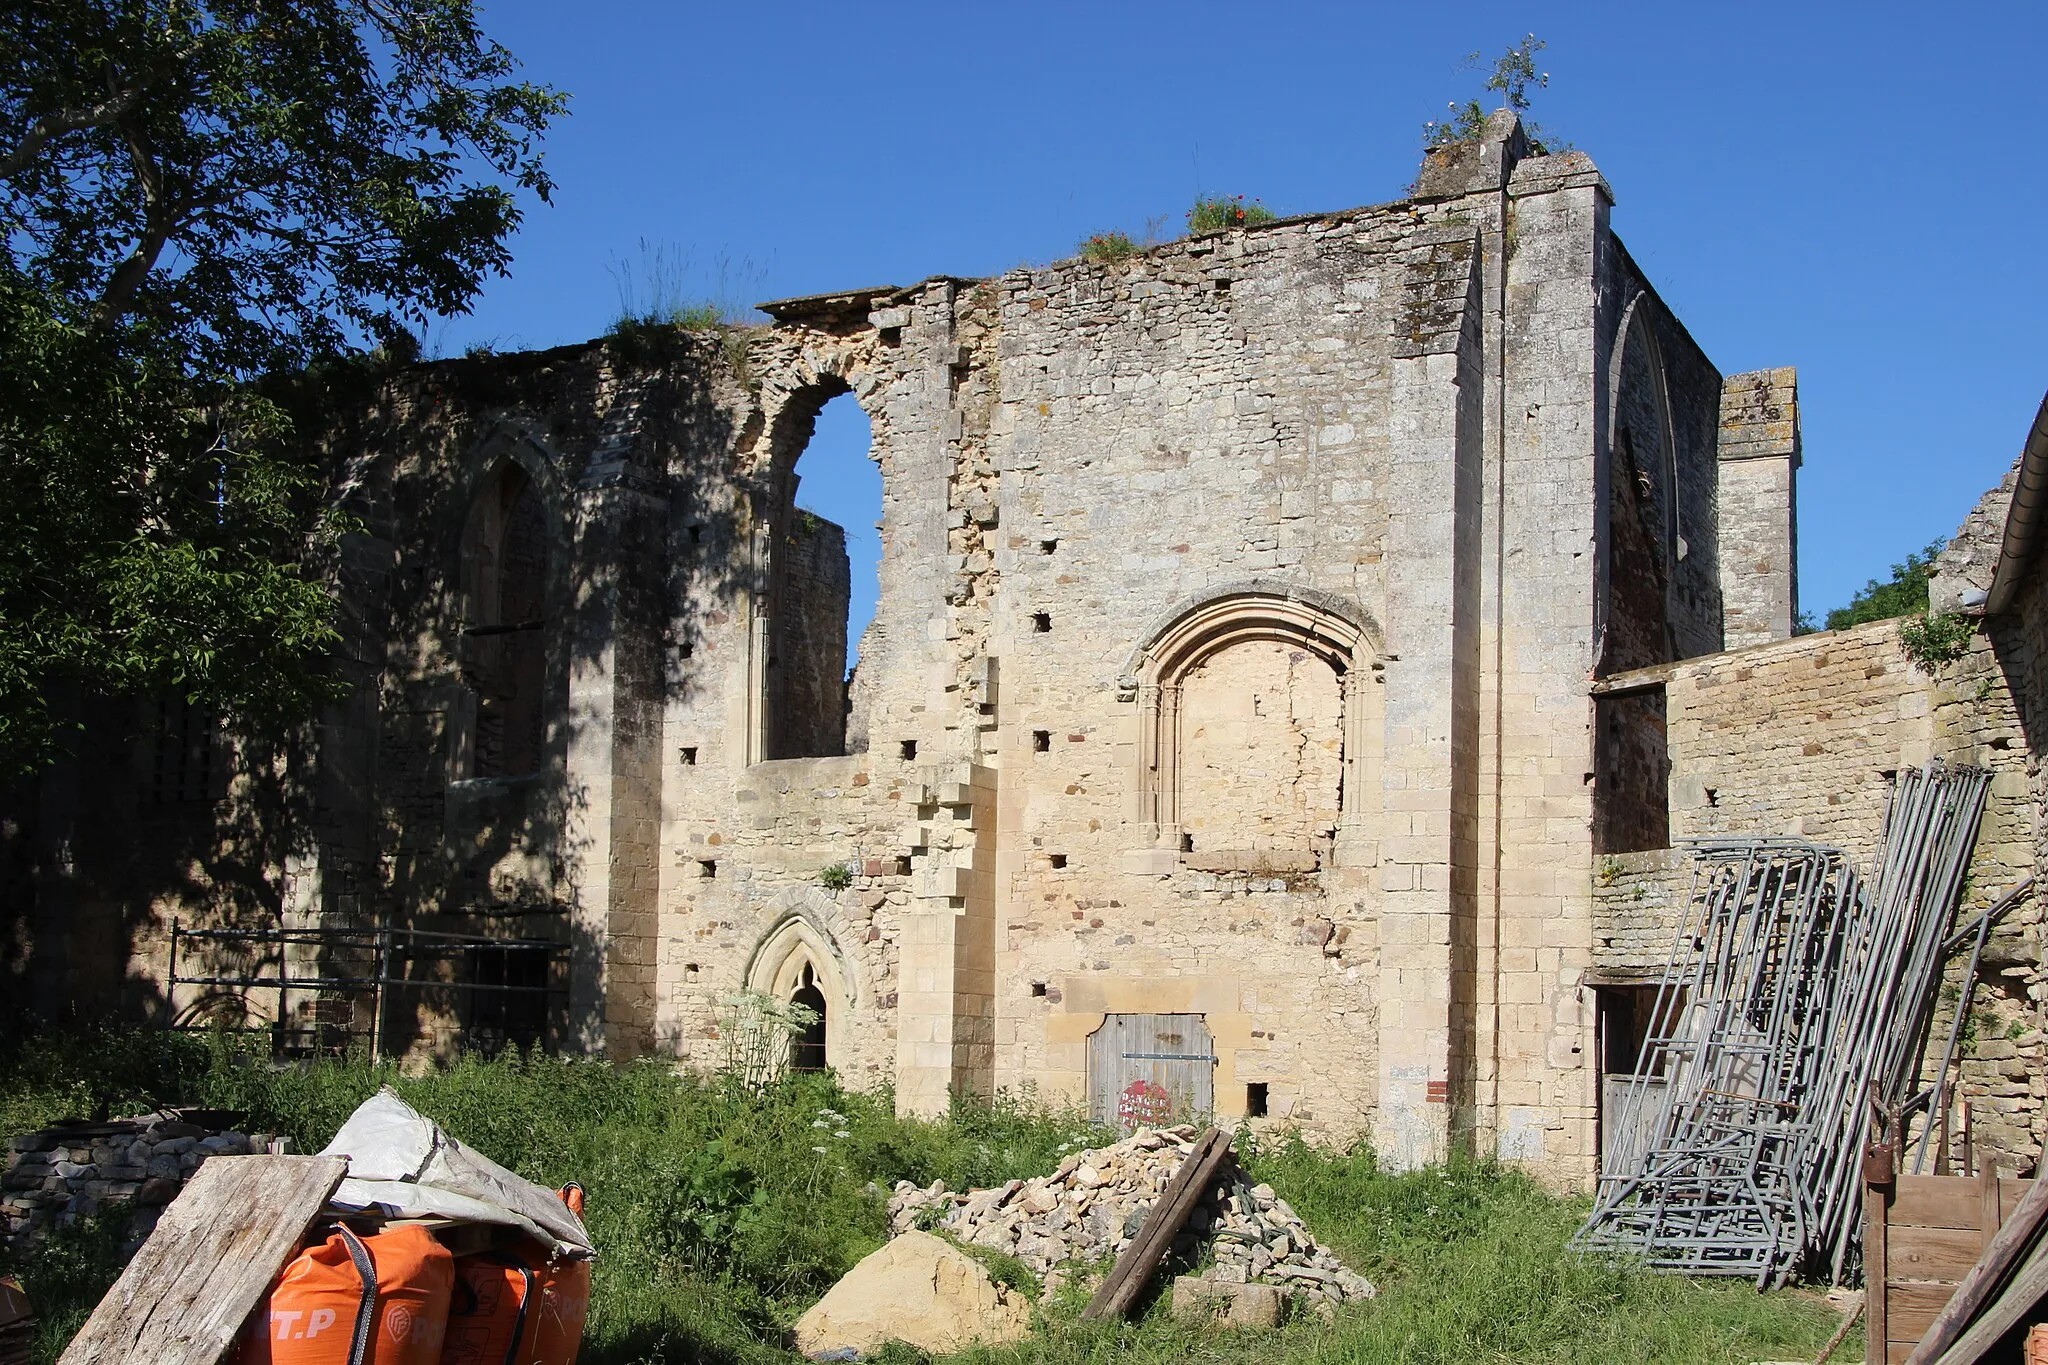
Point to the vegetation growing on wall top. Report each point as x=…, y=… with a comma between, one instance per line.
x=1109, y=246
x=654, y=291
x=1514, y=72
x=1213, y=213
x=1936, y=638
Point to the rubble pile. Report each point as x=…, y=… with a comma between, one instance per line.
x=1093, y=1205
x=72, y=1171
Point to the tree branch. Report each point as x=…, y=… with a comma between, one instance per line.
x=159, y=222
x=56, y=125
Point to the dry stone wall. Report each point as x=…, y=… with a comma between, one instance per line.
x=69, y=1172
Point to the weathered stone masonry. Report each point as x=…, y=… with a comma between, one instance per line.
x=1238, y=608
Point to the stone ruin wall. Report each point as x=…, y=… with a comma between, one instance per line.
x=1071, y=457
x=1052, y=567
x=1798, y=738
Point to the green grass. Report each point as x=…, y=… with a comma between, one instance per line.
x=689, y=317
x=719, y=1220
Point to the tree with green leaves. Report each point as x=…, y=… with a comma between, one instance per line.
x=1903, y=594
x=197, y=194
x=1514, y=73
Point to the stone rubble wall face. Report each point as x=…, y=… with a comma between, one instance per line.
x=54, y=1178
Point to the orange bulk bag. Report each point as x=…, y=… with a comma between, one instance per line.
x=516, y=1310
x=564, y=1299
x=563, y=1308
x=491, y=1319
x=519, y=1308
x=375, y=1300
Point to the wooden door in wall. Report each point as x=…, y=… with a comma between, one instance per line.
x=1145, y=1070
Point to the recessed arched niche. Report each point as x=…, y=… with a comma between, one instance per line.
x=1254, y=730
x=797, y=963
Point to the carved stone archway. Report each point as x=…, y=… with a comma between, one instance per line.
x=1336, y=631
x=799, y=938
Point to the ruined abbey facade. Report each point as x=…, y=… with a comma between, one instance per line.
x=1241, y=677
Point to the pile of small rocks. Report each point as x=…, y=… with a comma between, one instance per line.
x=1094, y=1204
x=75, y=1170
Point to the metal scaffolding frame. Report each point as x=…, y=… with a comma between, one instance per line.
x=358, y=966
x=1795, y=997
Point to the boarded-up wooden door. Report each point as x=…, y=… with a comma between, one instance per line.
x=1150, y=1069
x=1625, y=1133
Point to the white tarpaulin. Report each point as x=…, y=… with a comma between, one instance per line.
x=403, y=1164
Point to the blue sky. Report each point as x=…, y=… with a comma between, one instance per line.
x=1854, y=190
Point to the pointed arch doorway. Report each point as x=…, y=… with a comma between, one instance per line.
x=796, y=964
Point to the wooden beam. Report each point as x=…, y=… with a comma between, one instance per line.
x=1162, y=1223
x=1879, y=1171
x=218, y=1246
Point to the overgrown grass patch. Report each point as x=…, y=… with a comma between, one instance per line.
x=1109, y=247
x=1213, y=213
x=722, y=1214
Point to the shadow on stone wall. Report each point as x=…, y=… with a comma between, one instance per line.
x=366, y=818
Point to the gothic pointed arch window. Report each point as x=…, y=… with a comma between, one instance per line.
x=1638, y=627
x=1254, y=732
x=504, y=635
x=797, y=962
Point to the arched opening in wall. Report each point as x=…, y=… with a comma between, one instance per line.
x=1638, y=624
x=796, y=963
x=1252, y=731
x=807, y=1042
x=824, y=574
x=1640, y=519
x=504, y=636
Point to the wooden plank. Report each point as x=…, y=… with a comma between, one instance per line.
x=1988, y=1221
x=1985, y=1278
x=1914, y=1305
x=2012, y=1305
x=216, y=1249
x=1911, y=1325
x=1933, y=1253
x=1937, y=1201
x=1155, y=1237
x=1949, y=1201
